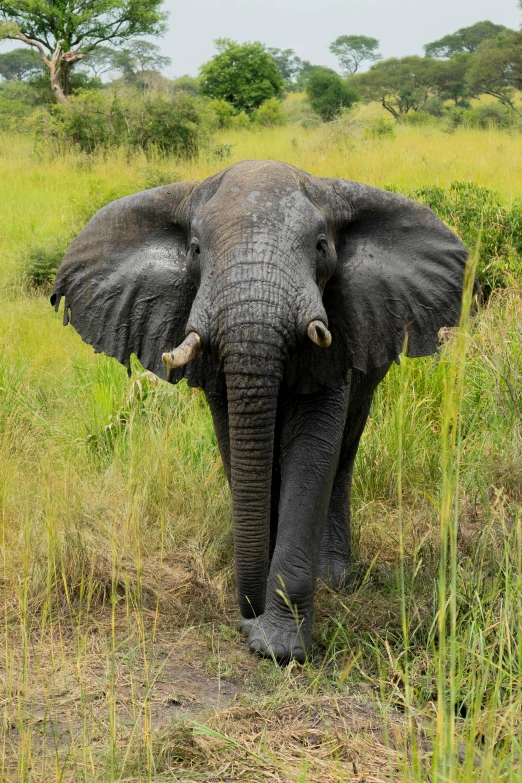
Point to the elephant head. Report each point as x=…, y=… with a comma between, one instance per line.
x=261, y=277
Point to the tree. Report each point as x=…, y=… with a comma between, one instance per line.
x=352, y=50
x=467, y=39
x=496, y=68
x=329, y=94
x=401, y=85
x=245, y=75
x=448, y=79
x=289, y=64
x=65, y=31
x=18, y=65
x=137, y=59
x=100, y=60
x=305, y=73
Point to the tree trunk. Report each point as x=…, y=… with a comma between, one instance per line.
x=56, y=86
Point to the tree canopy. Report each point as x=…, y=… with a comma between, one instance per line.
x=244, y=75
x=289, y=64
x=399, y=84
x=467, y=39
x=496, y=68
x=65, y=32
x=352, y=50
x=19, y=64
x=328, y=94
x=138, y=58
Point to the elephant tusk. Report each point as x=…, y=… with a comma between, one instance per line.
x=319, y=334
x=183, y=354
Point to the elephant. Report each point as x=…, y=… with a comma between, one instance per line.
x=286, y=297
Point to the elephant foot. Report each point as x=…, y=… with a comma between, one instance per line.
x=279, y=638
x=335, y=572
x=244, y=625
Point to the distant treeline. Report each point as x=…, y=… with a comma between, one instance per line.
x=115, y=93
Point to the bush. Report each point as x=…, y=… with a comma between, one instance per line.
x=241, y=121
x=96, y=120
x=381, y=129
x=479, y=217
x=223, y=111
x=187, y=84
x=42, y=264
x=434, y=106
x=492, y=115
x=270, y=114
x=329, y=94
x=417, y=118
x=172, y=126
x=18, y=103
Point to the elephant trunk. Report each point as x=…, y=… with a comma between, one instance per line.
x=253, y=382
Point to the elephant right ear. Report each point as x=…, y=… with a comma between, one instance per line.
x=400, y=277
x=125, y=280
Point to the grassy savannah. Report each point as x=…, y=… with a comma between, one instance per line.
x=120, y=660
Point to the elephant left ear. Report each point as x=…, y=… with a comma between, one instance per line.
x=125, y=281
x=399, y=277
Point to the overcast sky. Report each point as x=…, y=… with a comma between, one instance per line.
x=309, y=26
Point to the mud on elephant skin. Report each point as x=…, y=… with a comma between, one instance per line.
x=285, y=297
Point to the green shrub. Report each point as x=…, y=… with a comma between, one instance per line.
x=241, y=121
x=221, y=151
x=454, y=117
x=223, y=111
x=418, y=118
x=100, y=119
x=270, y=114
x=329, y=94
x=479, y=217
x=380, y=128
x=492, y=115
x=434, y=106
x=17, y=105
x=174, y=126
x=187, y=84
x=42, y=264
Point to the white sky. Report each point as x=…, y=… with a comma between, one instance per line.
x=309, y=26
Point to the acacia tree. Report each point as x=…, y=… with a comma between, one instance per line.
x=496, y=68
x=289, y=64
x=137, y=59
x=401, y=85
x=65, y=31
x=352, y=50
x=18, y=65
x=467, y=39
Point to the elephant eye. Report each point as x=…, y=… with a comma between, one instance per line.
x=193, y=265
x=321, y=245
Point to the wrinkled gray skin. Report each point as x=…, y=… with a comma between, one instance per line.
x=248, y=259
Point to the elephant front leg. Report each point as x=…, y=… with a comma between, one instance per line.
x=334, y=561
x=311, y=440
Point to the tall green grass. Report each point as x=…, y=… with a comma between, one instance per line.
x=116, y=549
